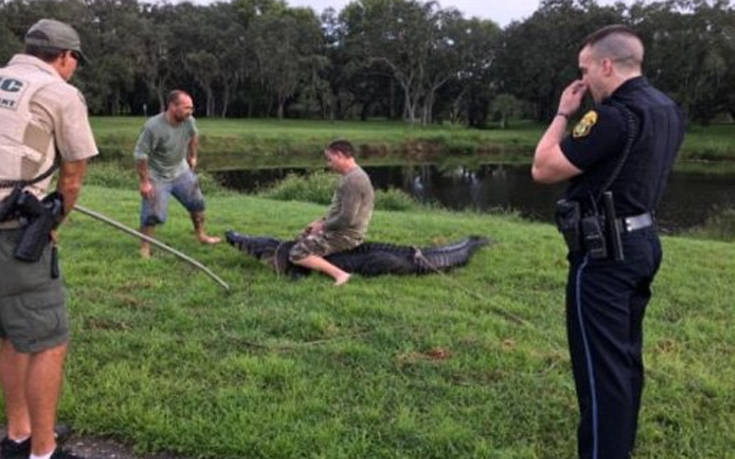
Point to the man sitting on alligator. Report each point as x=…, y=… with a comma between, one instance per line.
x=334, y=244
x=367, y=259
x=344, y=225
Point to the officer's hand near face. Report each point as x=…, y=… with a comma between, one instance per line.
x=572, y=97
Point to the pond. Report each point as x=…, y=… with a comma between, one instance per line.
x=689, y=200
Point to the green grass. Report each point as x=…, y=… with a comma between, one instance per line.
x=164, y=360
x=247, y=143
x=709, y=143
x=238, y=143
x=720, y=226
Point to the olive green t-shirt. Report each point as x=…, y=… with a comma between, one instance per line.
x=352, y=205
x=165, y=146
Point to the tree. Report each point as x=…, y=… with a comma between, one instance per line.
x=110, y=79
x=395, y=37
x=9, y=43
x=506, y=106
x=392, y=58
x=537, y=58
x=155, y=63
x=285, y=44
x=689, y=48
x=467, y=95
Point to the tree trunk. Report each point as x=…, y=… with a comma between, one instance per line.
x=116, y=102
x=410, y=108
x=457, y=106
x=160, y=86
x=225, y=100
x=281, y=104
x=161, y=96
x=209, y=94
x=427, y=117
x=365, y=111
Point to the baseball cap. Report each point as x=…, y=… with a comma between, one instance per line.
x=50, y=33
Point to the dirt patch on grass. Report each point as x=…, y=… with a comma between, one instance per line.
x=96, y=448
x=104, y=448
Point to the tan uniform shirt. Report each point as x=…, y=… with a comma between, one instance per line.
x=59, y=110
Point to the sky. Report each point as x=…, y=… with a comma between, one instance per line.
x=500, y=11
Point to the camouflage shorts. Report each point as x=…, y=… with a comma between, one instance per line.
x=321, y=245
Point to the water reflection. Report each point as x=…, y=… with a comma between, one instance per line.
x=690, y=198
x=484, y=188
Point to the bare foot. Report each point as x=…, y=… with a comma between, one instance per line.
x=342, y=279
x=145, y=252
x=204, y=239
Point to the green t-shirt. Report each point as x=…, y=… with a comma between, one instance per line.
x=352, y=205
x=165, y=146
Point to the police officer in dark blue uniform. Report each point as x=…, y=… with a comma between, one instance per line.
x=617, y=160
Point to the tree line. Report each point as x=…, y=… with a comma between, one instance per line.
x=396, y=59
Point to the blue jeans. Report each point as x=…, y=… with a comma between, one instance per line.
x=185, y=188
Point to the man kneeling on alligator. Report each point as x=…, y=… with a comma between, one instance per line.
x=345, y=224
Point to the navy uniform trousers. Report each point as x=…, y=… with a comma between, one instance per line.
x=606, y=301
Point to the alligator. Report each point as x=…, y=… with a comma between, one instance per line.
x=367, y=259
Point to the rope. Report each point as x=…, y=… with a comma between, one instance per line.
x=277, y=260
x=418, y=255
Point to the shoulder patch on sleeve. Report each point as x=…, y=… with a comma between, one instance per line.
x=584, y=126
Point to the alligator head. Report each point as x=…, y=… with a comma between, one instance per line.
x=262, y=248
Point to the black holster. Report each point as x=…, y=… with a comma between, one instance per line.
x=41, y=218
x=568, y=217
x=595, y=234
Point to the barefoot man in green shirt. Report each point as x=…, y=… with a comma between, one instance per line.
x=344, y=225
x=166, y=156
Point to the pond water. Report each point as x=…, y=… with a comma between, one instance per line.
x=689, y=200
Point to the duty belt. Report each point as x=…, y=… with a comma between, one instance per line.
x=636, y=222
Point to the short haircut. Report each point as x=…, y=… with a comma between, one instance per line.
x=174, y=96
x=44, y=53
x=343, y=147
x=617, y=42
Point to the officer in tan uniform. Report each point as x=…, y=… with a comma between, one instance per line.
x=43, y=119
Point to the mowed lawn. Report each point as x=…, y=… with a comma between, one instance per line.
x=227, y=143
x=165, y=360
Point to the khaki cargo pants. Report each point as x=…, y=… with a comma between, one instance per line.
x=321, y=245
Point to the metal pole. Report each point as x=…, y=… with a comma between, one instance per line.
x=158, y=244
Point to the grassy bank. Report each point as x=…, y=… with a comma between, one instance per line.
x=276, y=143
x=232, y=143
x=164, y=360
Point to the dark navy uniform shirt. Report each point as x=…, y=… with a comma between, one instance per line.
x=597, y=143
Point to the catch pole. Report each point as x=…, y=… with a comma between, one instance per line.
x=158, y=244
